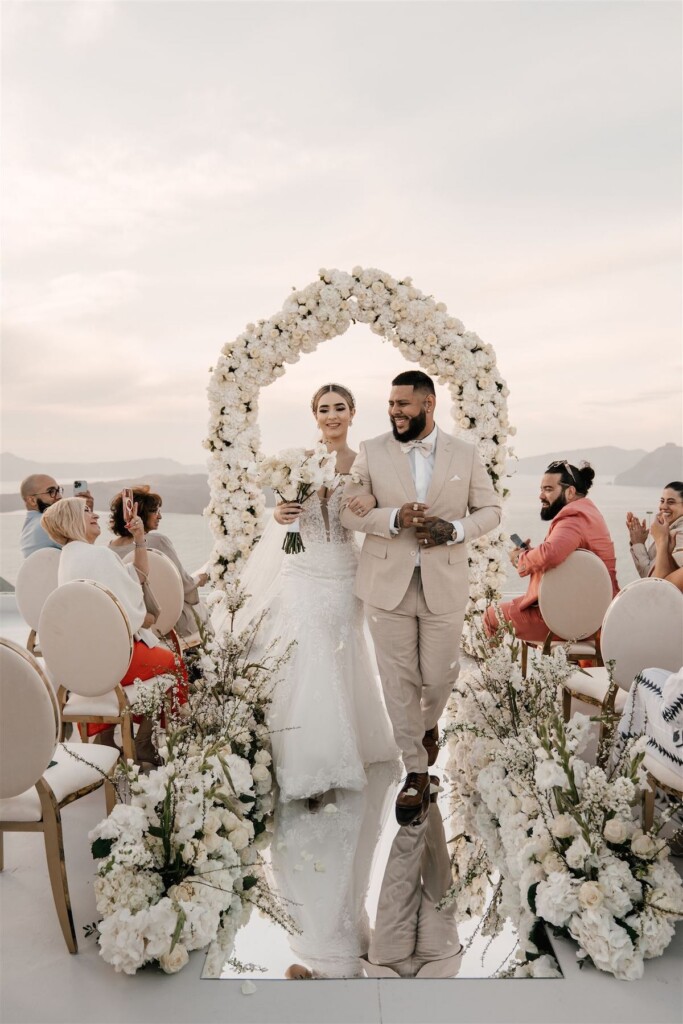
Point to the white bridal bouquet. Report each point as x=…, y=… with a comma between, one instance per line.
x=294, y=474
x=562, y=834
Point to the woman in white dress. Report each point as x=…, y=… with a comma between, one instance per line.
x=327, y=717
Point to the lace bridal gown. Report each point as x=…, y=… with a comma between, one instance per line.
x=327, y=718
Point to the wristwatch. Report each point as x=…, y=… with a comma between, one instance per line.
x=454, y=535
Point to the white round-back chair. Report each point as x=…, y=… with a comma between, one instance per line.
x=167, y=587
x=642, y=627
x=572, y=599
x=36, y=579
x=87, y=644
x=38, y=775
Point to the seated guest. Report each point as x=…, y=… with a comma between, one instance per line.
x=38, y=492
x=654, y=707
x=575, y=523
x=668, y=551
x=149, y=510
x=671, y=513
x=75, y=529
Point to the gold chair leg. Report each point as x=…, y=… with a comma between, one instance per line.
x=83, y=731
x=109, y=797
x=566, y=704
x=127, y=738
x=649, y=803
x=54, y=851
x=2, y=851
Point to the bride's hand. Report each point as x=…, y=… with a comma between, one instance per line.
x=361, y=504
x=286, y=512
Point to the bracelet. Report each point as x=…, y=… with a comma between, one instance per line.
x=143, y=545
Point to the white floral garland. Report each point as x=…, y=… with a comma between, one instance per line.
x=423, y=332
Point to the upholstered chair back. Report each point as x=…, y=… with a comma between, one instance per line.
x=29, y=720
x=85, y=637
x=574, y=596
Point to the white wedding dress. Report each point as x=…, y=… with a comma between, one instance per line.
x=327, y=717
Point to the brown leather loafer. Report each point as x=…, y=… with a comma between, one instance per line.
x=430, y=741
x=413, y=799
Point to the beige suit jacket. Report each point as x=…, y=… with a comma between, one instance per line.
x=460, y=489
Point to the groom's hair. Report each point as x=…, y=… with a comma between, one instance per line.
x=415, y=379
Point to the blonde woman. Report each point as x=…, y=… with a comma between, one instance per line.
x=72, y=525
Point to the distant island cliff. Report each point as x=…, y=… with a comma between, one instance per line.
x=188, y=492
x=655, y=469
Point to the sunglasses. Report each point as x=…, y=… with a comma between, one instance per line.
x=52, y=491
x=558, y=466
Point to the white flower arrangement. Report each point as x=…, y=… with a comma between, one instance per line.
x=421, y=329
x=178, y=867
x=294, y=474
x=562, y=835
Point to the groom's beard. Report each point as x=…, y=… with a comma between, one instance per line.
x=415, y=428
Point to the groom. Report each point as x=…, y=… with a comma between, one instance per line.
x=413, y=574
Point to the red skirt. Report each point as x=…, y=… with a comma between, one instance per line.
x=146, y=663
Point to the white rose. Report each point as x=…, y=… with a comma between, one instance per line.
x=174, y=961
x=590, y=895
x=239, y=837
x=577, y=853
x=644, y=846
x=615, y=831
x=564, y=826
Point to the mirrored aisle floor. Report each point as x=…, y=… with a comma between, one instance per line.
x=361, y=896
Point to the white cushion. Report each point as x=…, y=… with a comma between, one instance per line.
x=108, y=704
x=594, y=683
x=580, y=649
x=662, y=773
x=67, y=776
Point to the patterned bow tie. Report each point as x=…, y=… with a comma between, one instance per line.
x=424, y=447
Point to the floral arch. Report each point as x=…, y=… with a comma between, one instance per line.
x=420, y=328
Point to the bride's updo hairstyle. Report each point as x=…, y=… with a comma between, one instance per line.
x=340, y=390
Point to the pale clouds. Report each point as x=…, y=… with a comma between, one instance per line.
x=172, y=169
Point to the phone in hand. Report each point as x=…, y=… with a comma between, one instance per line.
x=127, y=499
x=80, y=486
x=518, y=542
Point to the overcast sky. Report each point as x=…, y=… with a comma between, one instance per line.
x=171, y=170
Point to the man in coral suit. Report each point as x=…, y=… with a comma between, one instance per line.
x=575, y=522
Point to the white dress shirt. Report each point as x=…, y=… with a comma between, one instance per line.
x=422, y=468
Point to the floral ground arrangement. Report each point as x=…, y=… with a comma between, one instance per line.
x=179, y=864
x=557, y=837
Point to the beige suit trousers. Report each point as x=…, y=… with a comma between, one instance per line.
x=409, y=931
x=417, y=655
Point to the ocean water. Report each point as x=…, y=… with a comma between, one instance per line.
x=193, y=540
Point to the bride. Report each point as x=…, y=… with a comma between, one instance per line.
x=327, y=717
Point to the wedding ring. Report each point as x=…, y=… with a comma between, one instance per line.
x=414, y=508
x=425, y=540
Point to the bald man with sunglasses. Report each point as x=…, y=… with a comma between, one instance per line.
x=38, y=492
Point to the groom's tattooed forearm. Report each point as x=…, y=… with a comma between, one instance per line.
x=436, y=531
